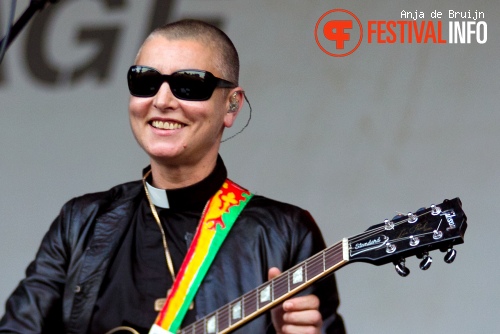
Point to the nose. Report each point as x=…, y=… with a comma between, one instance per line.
x=164, y=99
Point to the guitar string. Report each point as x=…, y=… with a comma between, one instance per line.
x=381, y=228
x=314, y=264
x=421, y=234
x=279, y=283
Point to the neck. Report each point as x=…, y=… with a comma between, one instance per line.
x=173, y=176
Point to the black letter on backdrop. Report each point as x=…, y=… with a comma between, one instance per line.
x=98, y=66
x=36, y=59
x=107, y=39
x=160, y=13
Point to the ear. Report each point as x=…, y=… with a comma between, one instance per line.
x=234, y=103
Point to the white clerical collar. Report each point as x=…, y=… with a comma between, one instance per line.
x=158, y=196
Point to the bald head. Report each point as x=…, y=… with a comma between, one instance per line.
x=227, y=57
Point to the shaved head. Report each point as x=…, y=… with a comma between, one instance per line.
x=227, y=60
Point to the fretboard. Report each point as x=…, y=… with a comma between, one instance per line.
x=253, y=303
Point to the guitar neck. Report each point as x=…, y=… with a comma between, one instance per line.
x=273, y=292
x=437, y=227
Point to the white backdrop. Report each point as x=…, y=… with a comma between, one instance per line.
x=392, y=127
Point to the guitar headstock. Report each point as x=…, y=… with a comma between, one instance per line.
x=436, y=227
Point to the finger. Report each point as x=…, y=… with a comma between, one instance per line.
x=292, y=329
x=309, y=302
x=273, y=272
x=303, y=318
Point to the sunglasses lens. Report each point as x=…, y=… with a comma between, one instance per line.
x=143, y=81
x=191, y=85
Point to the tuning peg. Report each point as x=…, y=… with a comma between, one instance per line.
x=388, y=224
x=401, y=268
x=435, y=210
x=426, y=262
x=436, y=235
x=412, y=218
x=450, y=256
x=390, y=248
x=414, y=241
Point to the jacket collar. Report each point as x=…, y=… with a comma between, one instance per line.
x=193, y=197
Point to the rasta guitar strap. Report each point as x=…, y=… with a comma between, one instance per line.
x=219, y=215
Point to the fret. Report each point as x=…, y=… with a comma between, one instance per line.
x=199, y=327
x=288, y=279
x=314, y=266
x=205, y=325
x=223, y=317
x=324, y=260
x=305, y=270
x=333, y=256
x=250, y=301
x=280, y=286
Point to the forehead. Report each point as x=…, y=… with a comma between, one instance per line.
x=168, y=55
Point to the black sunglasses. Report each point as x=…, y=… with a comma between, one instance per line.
x=190, y=85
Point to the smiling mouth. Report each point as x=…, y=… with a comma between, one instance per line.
x=167, y=125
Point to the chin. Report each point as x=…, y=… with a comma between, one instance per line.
x=164, y=152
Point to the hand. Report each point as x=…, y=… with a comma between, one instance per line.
x=296, y=315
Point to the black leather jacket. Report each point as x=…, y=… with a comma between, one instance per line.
x=62, y=283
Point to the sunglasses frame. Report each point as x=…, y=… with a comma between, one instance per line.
x=210, y=82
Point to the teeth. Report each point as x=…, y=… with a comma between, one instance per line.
x=166, y=125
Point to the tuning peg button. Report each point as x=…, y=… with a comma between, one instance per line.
x=401, y=268
x=450, y=256
x=426, y=262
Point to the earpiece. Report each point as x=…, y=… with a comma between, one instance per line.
x=233, y=103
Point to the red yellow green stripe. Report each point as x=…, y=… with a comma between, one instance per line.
x=217, y=219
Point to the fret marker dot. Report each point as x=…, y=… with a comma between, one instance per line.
x=211, y=325
x=237, y=310
x=298, y=276
x=265, y=294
